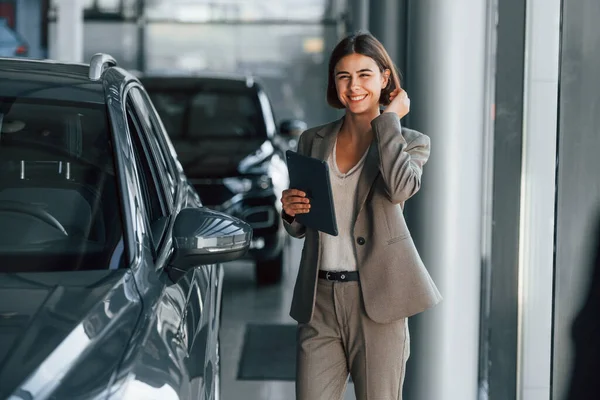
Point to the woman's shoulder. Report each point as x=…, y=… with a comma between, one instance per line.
x=414, y=136
x=306, y=139
x=310, y=133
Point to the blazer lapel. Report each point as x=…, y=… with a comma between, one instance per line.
x=322, y=146
x=367, y=177
x=325, y=140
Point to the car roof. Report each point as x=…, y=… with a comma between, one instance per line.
x=46, y=79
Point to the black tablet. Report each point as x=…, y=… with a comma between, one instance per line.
x=311, y=175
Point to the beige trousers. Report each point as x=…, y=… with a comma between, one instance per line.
x=340, y=340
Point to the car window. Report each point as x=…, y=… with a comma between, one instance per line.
x=146, y=176
x=155, y=140
x=152, y=185
x=59, y=202
x=210, y=113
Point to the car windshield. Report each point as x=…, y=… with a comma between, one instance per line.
x=59, y=206
x=226, y=114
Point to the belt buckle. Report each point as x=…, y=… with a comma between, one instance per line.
x=327, y=276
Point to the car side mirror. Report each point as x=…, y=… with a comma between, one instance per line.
x=292, y=128
x=202, y=236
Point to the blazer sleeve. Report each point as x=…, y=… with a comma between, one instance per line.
x=293, y=227
x=402, y=154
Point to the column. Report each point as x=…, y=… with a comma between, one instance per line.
x=358, y=13
x=384, y=16
x=538, y=205
x=69, y=32
x=446, y=81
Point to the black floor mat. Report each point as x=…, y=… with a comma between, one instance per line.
x=269, y=353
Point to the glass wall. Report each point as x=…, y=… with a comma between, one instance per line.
x=284, y=44
x=288, y=59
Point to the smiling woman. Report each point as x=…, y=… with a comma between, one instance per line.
x=364, y=64
x=371, y=271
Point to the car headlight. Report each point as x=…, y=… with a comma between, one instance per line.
x=244, y=185
x=264, y=182
x=238, y=185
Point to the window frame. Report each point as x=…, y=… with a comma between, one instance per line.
x=142, y=170
x=156, y=217
x=162, y=158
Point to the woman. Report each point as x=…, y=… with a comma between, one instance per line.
x=355, y=291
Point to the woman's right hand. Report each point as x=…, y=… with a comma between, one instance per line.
x=399, y=103
x=295, y=202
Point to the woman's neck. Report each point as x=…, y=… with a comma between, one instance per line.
x=357, y=127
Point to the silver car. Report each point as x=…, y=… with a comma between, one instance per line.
x=110, y=275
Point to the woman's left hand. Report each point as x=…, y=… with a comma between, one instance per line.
x=399, y=103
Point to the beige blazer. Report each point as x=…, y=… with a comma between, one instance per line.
x=393, y=279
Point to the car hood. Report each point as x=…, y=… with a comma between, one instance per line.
x=215, y=157
x=47, y=321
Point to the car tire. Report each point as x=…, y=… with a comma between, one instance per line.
x=269, y=272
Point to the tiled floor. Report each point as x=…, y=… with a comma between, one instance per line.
x=244, y=303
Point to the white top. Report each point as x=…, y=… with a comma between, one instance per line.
x=338, y=252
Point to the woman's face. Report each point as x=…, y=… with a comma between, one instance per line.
x=359, y=82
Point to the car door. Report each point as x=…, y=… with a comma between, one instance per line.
x=154, y=358
x=198, y=285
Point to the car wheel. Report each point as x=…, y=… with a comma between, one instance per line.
x=270, y=271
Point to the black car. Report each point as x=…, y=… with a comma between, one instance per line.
x=110, y=282
x=224, y=131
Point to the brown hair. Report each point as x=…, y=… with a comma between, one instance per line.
x=366, y=44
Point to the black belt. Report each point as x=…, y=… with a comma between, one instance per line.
x=339, y=276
